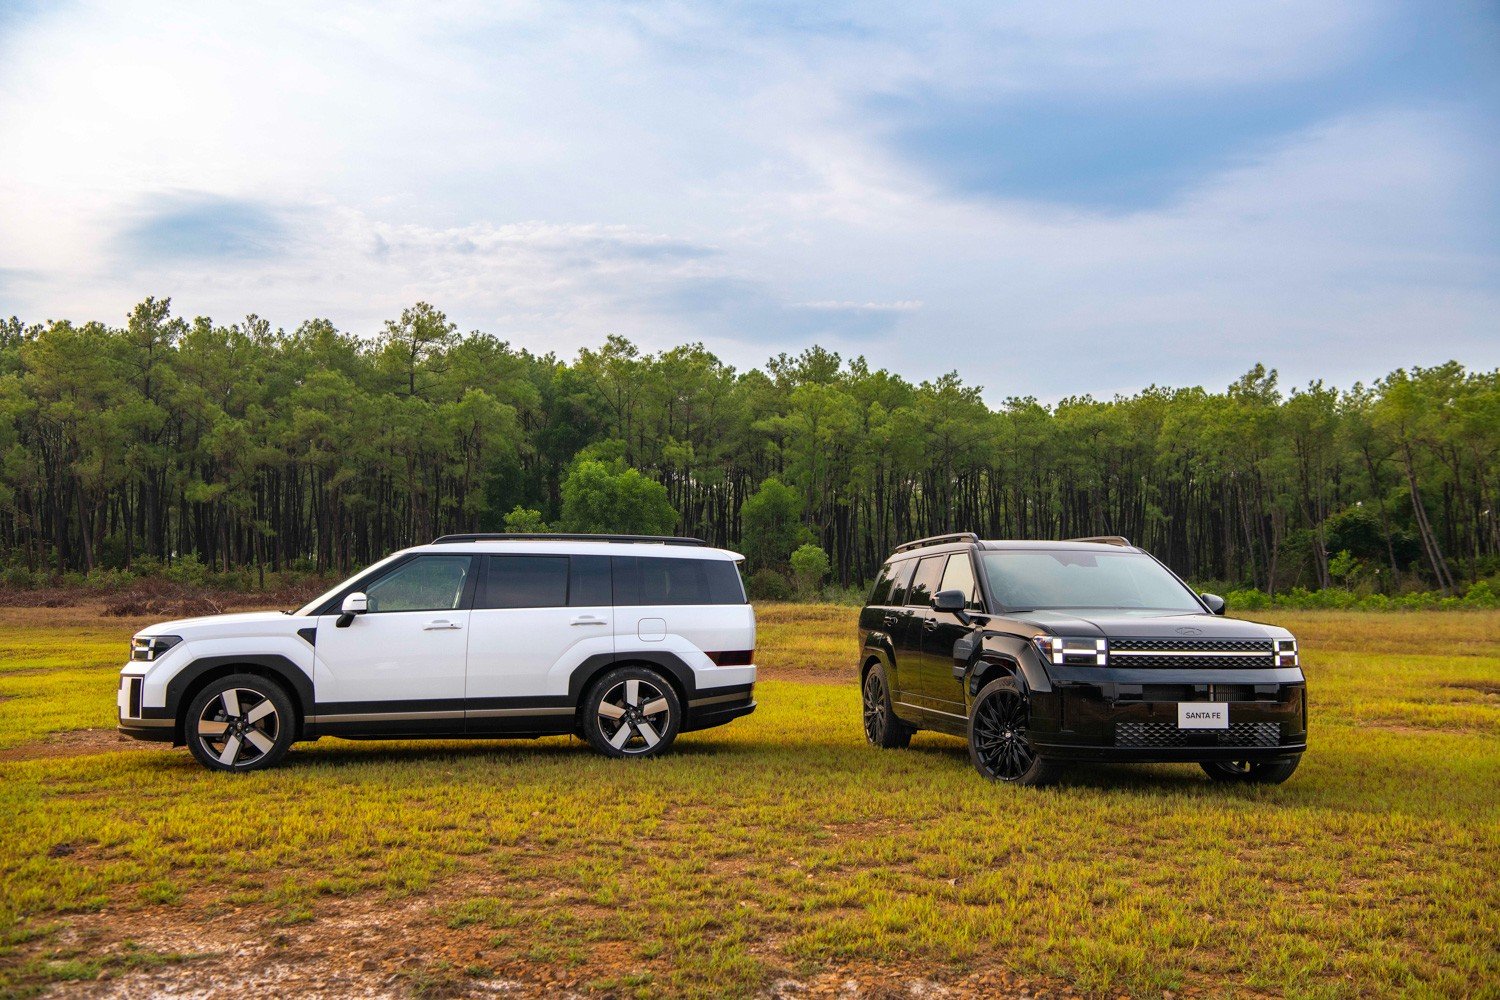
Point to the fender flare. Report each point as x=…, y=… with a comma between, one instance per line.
x=668, y=662
x=1005, y=652
x=272, y=664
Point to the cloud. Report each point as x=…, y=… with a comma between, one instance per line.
x=1149, y=192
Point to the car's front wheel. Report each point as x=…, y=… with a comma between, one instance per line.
x=999, y=745
x=631, y=712
x=240, y=723
x=1253, y=772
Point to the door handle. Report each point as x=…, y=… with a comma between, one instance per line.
x=930, y=624
x=588, y=621
x=890, y=621
x=440, y=625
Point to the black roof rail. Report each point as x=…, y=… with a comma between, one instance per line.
x=1103, y=540
x=922, y=543
x=536, y=536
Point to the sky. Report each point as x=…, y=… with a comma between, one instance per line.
x=1051, y=199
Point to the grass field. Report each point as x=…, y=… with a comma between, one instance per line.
x=777, y=855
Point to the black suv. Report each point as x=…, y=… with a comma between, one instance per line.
x=1039, y=653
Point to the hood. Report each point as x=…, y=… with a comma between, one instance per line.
x=1122, y=623
x=243, y=623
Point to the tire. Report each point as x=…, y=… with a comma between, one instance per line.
x=240, y=723
x=631, y=712
x=882, y=728
x=998, y=745
x=1251, y=772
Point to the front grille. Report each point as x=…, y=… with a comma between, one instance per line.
x=1261, y=646
x=1192, y=654
x=1165, y=735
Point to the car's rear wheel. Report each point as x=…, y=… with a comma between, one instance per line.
x=882, y=728
x=632, y=712
x=999, y=745
x=240, y=723
x=1254, y=772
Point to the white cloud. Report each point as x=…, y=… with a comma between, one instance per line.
x=552, y=174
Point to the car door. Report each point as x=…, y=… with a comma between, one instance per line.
x=936, y=682
x=893, y=620
x=537, y=616
x=398, y=668
x=912, y=641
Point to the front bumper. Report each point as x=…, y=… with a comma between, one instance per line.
x=139, y=722
x=1130, y=715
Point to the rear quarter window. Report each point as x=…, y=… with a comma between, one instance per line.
x=648, y=580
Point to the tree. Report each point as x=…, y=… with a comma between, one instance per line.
x=523, y=521
x=597, y=498
x=772, y=524
x=809, y=568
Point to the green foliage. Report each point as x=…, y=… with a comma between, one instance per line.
x=809, y=568
x=522, y=520
x=315, y=448
x=599, y=499
x=1479, y=596
x=768, y=585
x=772, y=523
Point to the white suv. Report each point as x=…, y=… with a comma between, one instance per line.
x=625, y=640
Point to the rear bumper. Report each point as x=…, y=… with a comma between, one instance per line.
x=716, y=706
x=1131, y=716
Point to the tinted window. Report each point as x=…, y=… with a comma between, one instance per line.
x=883, y=584
x=640, y=580
x=960, y=576
x=525, y=582
x=589, y=582
x=426, y=583
x=901, y=581
x=924, y=584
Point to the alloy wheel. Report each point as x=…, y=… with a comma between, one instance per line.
x=1000, y=741
x=633, y=715
x=875, y=714
x=239, y=727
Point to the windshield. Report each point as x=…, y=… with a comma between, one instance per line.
x=1032, y=580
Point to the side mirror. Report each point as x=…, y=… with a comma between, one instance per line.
x=954, y=602
x=354, y=604
x=1215, y=603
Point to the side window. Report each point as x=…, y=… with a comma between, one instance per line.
x=524, y=582
x=901, y=581
x=588, y=585
x=426, y=583
x=960, y=576
x=881, y=594
x=924, y=584
x=647, y=580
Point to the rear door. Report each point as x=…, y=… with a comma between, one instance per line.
x=936, y=682
x=894, y=616
x=536, y=617
x=918, y=619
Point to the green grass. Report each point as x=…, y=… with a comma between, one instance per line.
x=782, y=845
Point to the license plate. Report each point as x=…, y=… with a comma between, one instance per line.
x=1202, y=715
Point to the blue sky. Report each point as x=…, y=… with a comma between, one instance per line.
x=1052, y=199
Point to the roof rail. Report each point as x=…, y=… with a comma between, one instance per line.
x=1103, y=540
x=534, y=536
x=922, y=543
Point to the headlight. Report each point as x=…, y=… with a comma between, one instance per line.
x=1286, y=652
x=1077, y=652
x=145, y=648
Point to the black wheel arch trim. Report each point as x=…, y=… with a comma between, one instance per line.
x=272, y=665
x=594, y=666
x=1005, y=652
